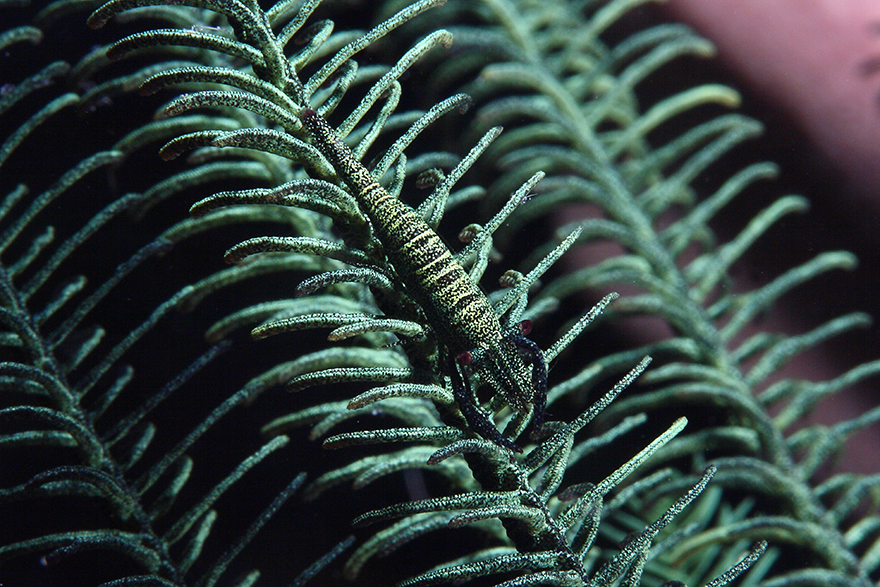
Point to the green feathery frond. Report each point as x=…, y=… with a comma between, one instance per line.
x=577, y=116
x=76, y=413
x=403, y=394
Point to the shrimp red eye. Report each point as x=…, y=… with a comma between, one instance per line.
x=525, y=326
x=464, y=358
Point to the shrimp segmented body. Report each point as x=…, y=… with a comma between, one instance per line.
x=466, y=326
